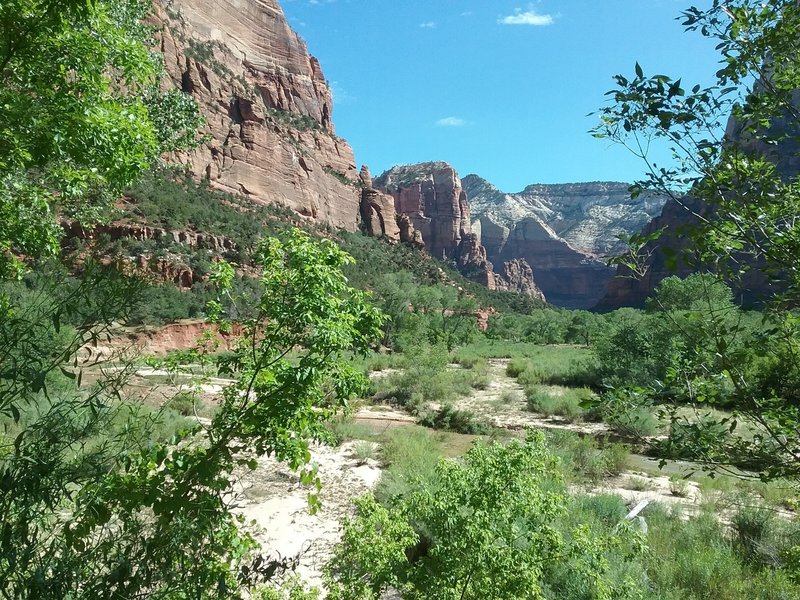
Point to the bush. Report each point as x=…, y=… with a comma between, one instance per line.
x=629, y=412
x=516, y=367
x=449, y=418
x=183, y=403
x=608, y=509
x=565, y=403
x=363, y=451
x=497, y=526
x=409, y=456
x=678, y=486
x=584, y=460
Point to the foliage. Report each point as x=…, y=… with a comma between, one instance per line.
x=82, y=116
x=566, y=403
x=490, y=530
x=120, y=513
x=747, y=188
x=696, y=560
x=409, y=456
x=457, y=420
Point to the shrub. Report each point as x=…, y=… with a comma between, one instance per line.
x=678, y=486
x=409, y=456
x=344, y=429
x=363, y=451
x=608, y=509
x=516, y=367
x=629, y=413
x=582, y=459
x=564, y=403
x=614, y=458
x=449, y=418
x=481, y=382
x=497, y=526
x=639, y=484
x=509, y=397
x=183, y=403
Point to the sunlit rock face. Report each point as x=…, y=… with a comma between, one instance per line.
x=267, y=105
x=431, y=198
x=590, y=217
x=565, y=232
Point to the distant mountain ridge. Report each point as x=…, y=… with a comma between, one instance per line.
x=589, y=216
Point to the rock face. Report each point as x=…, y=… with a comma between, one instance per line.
x=517, y=277
x=267, y=104
x=429, y=198
x=632, y=289
x=680, y=215
x=566, y=277
x=430, y=194
x=378, y=216
x=588, y=216
x=562, y=231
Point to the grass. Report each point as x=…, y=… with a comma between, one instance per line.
x=428, y=379
x=452, y=419
x=345, y=429
x=409, y=456
x=561, y=402
x=639, y=484
x=678, y=486
x=585, y=459
x=698, y=560
x=364, y=451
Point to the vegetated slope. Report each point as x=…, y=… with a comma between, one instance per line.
x=173, y=228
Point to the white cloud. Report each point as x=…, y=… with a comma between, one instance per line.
x=428, y=25
x=528, y=17
x=451, y=122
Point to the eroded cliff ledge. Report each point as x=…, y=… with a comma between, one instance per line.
x=267, y=104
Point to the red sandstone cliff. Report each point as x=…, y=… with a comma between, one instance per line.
x=267, y=104
x=429, y=198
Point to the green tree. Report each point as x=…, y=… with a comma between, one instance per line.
x=81, y=115
x=93, y=505
x=491, y=528
x=743, y=199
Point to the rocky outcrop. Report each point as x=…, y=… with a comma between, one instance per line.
x=408, y=234
x=679, y=216
x=119, y=231
x=629, y=288
x=779, y=145
x=430, y=194
x=517, y=277
x=429, y=199
x=566, y=277
x=267, y=105
x=377, y=210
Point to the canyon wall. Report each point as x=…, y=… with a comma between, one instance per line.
x=589, y=216
x=429, y=197
x=563, y=231
x=267, y=104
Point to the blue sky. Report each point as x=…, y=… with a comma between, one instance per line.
x=495, y=87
